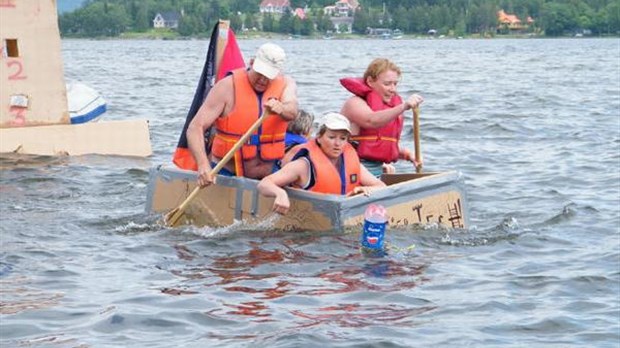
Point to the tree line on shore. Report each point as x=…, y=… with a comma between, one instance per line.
x=112, y=18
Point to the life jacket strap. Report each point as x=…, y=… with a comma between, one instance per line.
x=254, y=139
x=373, y=138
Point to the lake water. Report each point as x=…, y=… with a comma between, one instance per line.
x=533, y=125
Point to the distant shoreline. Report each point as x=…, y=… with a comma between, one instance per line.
x=171, y=35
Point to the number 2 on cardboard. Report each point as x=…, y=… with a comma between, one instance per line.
x=18, y=74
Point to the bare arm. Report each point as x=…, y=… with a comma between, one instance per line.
x=212, y=108
x=357, y=111
x=405, y=154
x=287, y=106
x=271, y=186
x=368, y=181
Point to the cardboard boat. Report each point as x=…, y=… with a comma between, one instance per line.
x=34, y=112
x=427, y=198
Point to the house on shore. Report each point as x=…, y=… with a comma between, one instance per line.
x=275, y=6
x=341, y=14
x=168, y=20
x=510, y=23
x=341, y=8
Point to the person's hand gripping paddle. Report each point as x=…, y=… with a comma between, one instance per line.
x=173, y=218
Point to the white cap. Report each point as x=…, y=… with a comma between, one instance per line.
x=336, y=121
x=269, y=60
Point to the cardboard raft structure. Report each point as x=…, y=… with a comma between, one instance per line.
x=34, y=116
x=410, y=199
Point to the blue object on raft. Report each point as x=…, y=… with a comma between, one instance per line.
x=85, y=104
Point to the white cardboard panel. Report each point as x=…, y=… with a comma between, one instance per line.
x=123, y=138
x=33, y=71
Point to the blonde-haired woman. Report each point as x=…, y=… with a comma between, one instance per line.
x=376, y=113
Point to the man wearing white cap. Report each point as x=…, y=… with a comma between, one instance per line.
x=326, y=164
x=233, y=105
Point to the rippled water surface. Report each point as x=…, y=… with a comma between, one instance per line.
x=533, y=125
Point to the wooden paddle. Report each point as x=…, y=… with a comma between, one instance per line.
x=416, y=139
x=173, y=217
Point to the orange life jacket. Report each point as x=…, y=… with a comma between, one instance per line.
x=327, y=178
x=379, y=144
x=268, y=141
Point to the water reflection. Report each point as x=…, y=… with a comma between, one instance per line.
x=17, y=295
x=358, y=315
x=268, y=277
x=14, y=161
x=255, y=309
x=394, y=276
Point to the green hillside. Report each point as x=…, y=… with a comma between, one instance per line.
x=412, y=17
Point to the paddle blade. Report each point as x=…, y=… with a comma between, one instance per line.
x=173, y=218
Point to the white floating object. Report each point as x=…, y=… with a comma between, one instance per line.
x=85, y=104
